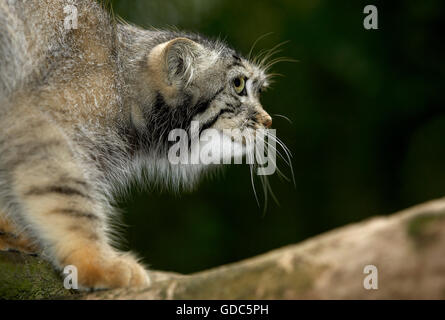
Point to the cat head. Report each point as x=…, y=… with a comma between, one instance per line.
x=221, y=87
x=193, y=79
x=191, y=82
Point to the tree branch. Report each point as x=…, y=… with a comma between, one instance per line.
x=408, y=249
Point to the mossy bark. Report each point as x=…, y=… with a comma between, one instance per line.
x=408, y=249
x=23, y=276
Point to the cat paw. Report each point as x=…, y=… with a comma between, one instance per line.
x=12, y=240
x=111, y=270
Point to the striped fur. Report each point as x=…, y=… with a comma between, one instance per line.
x=83, y=112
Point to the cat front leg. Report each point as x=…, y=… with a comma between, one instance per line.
x=51, y=198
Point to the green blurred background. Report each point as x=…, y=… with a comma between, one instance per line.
x=368, y=122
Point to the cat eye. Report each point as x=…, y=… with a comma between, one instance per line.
x=239, y=85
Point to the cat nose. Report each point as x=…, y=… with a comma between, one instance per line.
x=265, y=119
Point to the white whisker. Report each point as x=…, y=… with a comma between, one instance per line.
x=251, y=166
x=255, y=43
x=281, y=116
x=274, y=163
x=288, y=154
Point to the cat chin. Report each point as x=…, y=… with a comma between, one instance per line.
x=186, y=176
x=196, y=161
x=219, y=148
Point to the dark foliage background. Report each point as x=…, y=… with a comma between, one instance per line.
x=367, y=135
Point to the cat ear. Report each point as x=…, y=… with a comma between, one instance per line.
x=177, y=60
